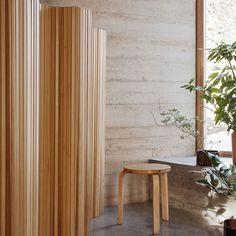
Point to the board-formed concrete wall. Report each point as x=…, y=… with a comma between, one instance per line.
x=150, y=54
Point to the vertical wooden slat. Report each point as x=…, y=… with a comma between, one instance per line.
x=47, y=138
x=103, y=124
x=82, y=162
x=77, y=109
x=73, y=126
x=35, y=168
x=3, y=118
x=52, y=37
x=28, y=116
x=200, y=64
x=8, y=121
x=97, y=123
x=42, y=119
x=56, y=120
x=90, y=143
x=14, y=164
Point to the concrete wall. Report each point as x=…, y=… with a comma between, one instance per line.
x=151, y=53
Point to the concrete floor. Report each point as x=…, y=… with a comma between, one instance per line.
x=138, y=222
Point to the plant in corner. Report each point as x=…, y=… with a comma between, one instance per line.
x=173, y=117
x=221, y=180
x=220, y=91
x=218, y=177
x=220, y=88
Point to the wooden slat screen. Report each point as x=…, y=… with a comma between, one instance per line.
x=48, y=111
x=65, y=40
x=19, y=105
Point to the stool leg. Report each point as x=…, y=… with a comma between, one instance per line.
x=164, y=196
x=120, y=198
x=156, y=204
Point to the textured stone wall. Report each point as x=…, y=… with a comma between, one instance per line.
x=150, y=54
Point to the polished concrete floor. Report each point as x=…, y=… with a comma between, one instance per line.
x=138, y=222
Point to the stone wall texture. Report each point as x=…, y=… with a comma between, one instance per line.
x=150, y=54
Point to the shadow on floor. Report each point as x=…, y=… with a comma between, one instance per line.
x=138, y=221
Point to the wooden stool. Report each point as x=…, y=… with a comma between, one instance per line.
x=156, y=170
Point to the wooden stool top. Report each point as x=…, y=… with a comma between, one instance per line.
x=147, y=169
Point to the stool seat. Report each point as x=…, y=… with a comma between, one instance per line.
x=159, y=173
x=147, y=169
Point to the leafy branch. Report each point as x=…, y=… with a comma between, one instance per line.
x=173, y=117
x=219, y=178
x=220, y=87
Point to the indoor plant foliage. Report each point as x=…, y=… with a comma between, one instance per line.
x=217, y=178
x=220, y=88
x=173, y=117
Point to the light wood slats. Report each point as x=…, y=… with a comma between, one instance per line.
x=91, y=130
x=102, y=72
x=47, y=118
x=19, y=103
x=36, y=83
x=96, y=132
x=65, y=68
x=3, y=200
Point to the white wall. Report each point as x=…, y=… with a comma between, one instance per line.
x=151, y=53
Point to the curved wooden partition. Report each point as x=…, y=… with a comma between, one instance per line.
x=96, y=140
x=51, y=119
x=19, y=105
x=65, y=35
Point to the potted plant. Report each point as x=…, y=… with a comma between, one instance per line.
x=218, y=178
x=222, y=181
x=219, y=91
x=220, y=88
x=230, y=227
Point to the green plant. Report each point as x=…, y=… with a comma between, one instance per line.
x=219, y=91
x=220, y=87
x=219, y=178
x=173, y=117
